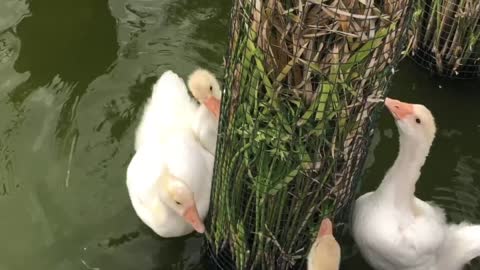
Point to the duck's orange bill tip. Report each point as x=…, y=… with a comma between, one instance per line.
x=191, y=216
x=326, y=227
x=213, y=105
x=398, y=109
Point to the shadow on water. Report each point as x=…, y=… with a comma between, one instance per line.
x=72, y=40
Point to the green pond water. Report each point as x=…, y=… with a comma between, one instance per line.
x=73, y=78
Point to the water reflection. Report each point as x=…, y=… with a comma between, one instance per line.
x=461, y=198
x=121, y=118
x=86, y=81
x=75, y=40
x=10, y=119
x=46, y=64
x=72, y=40
x=117, y=241
x=12, y=12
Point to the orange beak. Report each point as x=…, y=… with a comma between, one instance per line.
x=398, y=109
x=213, y=105
x=326, y=228
x=192, y=217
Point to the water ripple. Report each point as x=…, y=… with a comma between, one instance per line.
x=461, y=199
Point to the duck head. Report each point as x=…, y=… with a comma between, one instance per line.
x=205, y=88
x=414, y=121
x=179, y=197
x=325, y=251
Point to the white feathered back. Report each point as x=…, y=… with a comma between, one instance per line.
x=169, y=97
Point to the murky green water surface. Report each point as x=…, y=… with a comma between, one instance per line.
x=73, y=78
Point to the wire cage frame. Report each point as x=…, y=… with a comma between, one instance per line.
x=297, y=116
x=446, y=37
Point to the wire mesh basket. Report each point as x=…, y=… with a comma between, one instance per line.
x=296, y=121
x=446, y=37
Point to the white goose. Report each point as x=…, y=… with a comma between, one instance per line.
x=325, y=251
x=169, y=177
x=393, y=229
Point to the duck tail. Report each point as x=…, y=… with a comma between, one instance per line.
x=462, y=245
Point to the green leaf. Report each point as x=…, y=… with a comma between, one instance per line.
x=367, y=48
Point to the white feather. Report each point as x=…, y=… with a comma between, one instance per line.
x=393, y=229
x=165, y=142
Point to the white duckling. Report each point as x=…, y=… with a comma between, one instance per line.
x=325, y=251
x=205, y=89
x=393, y=229
x=169, y=178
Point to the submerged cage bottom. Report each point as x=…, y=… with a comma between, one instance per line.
x=427, y=60
x=223, y=260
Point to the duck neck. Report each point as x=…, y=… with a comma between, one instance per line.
x=398, y=186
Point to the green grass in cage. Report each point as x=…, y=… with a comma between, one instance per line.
x=449, y=31
x=298, y=100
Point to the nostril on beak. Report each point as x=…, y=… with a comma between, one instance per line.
x=397, y=107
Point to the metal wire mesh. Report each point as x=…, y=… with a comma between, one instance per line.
x=296, y=121
x=446, y=39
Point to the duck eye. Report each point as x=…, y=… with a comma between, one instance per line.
x=177, y=202
x=211, y=88
x=418, y=120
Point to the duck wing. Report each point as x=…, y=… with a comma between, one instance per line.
x=170, y=109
